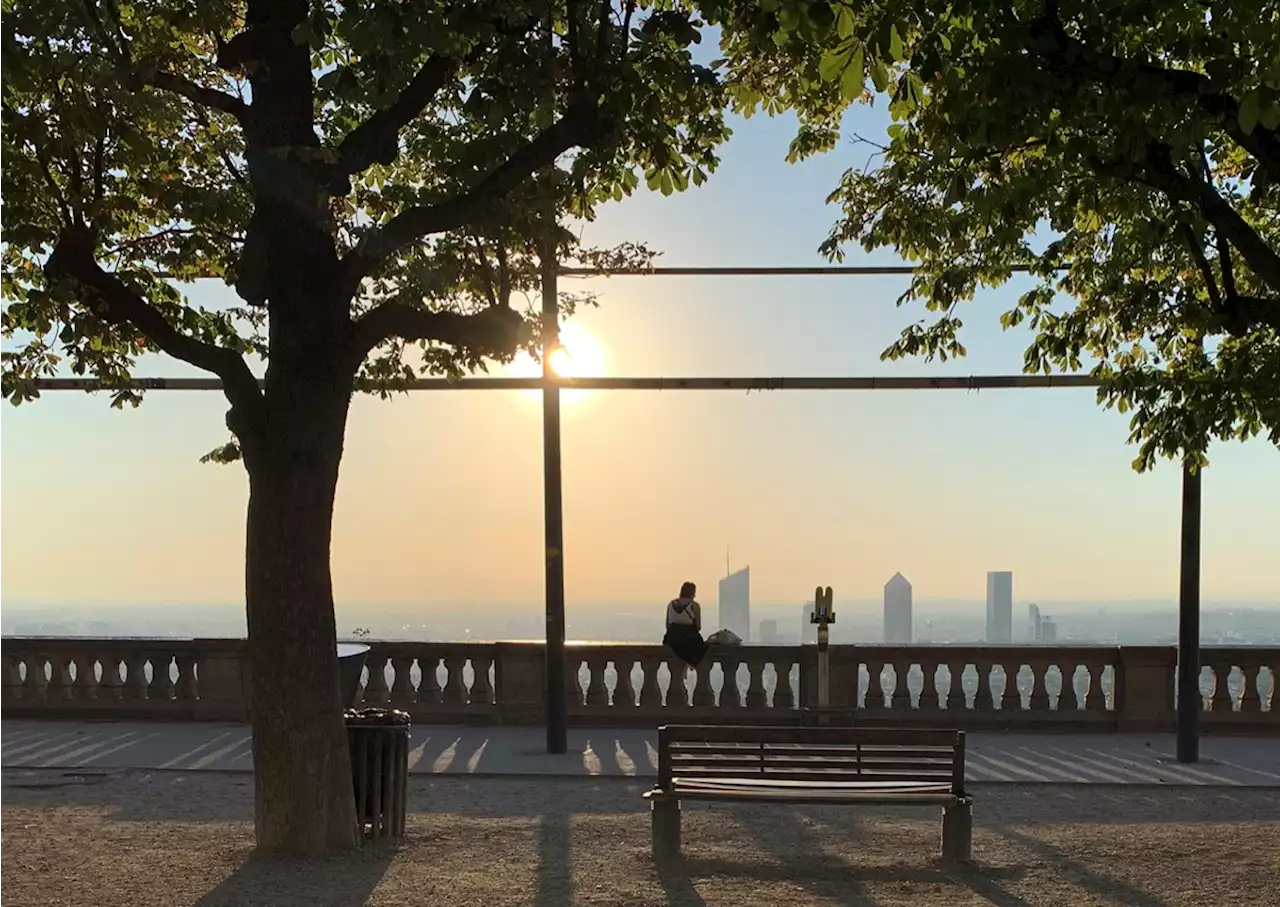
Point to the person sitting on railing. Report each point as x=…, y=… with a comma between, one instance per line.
x=684, y=627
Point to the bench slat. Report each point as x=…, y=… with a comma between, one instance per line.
x=734, y=749
x=817, y=798
x=802, y=759
x=711, y=733
x=785, y=775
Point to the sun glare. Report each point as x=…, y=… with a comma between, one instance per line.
x=578, y=356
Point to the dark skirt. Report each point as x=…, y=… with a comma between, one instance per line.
x=687, y=643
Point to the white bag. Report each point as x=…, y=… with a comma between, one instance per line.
x=725, y=637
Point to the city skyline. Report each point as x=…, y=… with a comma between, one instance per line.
x=733, y=604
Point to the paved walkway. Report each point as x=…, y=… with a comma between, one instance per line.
x=1025, y=758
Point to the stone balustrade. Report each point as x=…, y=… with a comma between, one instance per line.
x=1101, y=688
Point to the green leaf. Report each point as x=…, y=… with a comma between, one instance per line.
x=854, y=77
x=1250, y=107
x=879, y=76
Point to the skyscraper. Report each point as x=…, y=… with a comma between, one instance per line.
x=735, y=603
x=897, y=610
x=1048, y=629
x=1034, y=622
x=1000, y=606
x=808, y=630
x=769, y=632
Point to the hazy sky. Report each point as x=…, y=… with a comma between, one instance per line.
x=440, y=500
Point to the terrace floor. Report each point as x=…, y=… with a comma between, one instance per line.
x=184, y=839
x=513, y=752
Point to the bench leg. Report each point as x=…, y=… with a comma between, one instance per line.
x=666, y=828
x=957, y=830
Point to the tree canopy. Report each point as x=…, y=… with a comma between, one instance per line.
x=378, y=182
x=138, y=146
x=1125, y=152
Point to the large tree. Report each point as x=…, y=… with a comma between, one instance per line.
x=372, y=178
x=1126, y=152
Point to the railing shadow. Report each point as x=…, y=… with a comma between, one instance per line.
x=345, y=882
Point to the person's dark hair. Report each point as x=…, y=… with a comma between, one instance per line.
x=688, y=590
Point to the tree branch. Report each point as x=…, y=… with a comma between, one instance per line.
x=1197, y=252
x=1071, y=58
x=580, y=126
x=113, y=301
x=377, y=139
x=157, y=78
x=496, y=328
x=210, y=98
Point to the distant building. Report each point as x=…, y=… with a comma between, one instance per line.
x=897, y=610
x=1034, y=621
x=735, y=603
x=769, y=632
x=808, y=631
x=1048, y=630
x=1000, y=606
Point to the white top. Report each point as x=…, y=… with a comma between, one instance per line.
x=681, y=612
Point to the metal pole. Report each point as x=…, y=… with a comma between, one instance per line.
x=553, y=512
x=1189, y=696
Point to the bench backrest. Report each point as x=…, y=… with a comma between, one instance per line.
x=811, y=754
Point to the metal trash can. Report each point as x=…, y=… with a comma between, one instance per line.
x=379, y=741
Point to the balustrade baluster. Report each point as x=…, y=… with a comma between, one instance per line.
x=85, y=684
x=161, y=686
x=1040, y=690
x=1095, y=698
x=784, y=696
x=187, y=687
x=929, y=689
x=376, y=691
x=60, y=682
x=597, y=691
x=900, y=698
x=650, y=692
x=36, y=684
x=624, y=691
x=678, y=685
x=481, y=685
x=454, y=691
x=1221, y=701
x=1010, y=696
x=956, y=698
x=1250, y=701
x=429, y=690
x=402, y=693
x=730, y=693
x=755, y=683
x=982, y=700
x=111, y=686
x=703, y=696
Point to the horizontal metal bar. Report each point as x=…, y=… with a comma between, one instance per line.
x=971, y=383
x=814, y=271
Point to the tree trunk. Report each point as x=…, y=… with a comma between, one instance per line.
x=302, y=768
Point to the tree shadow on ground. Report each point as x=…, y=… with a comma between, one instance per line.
x=343, y=881
x=555, y=862
x=1106, y=886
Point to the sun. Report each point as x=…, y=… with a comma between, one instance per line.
x=578, y=356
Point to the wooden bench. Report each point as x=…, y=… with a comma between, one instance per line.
x=811, y=765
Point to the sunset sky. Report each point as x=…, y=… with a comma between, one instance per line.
x=440, y=500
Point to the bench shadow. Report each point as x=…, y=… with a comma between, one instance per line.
x=676, y=874
x=834, y=878
x=265, y=879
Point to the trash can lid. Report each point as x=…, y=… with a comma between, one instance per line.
x=373, y=717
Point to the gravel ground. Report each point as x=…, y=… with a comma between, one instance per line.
x=168, y=839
